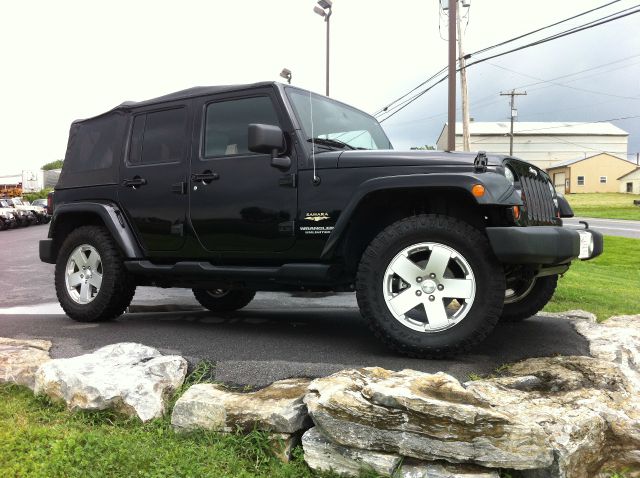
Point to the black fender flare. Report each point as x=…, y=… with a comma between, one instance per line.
x=112, y=217
x=498, y=191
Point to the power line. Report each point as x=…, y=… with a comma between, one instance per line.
x=496, y=46
x=601, y=21
x=511, y=40
x=565, y=86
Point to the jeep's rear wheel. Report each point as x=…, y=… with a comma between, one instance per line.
x=91, y=281
x=224, y=300
x=526, y=298
x=430, y=286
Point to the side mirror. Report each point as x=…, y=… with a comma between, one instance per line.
x=564, y=207
x=265, y=138
x=269, y=139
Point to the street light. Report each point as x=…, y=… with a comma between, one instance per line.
x=324, y=10
x=286, y=74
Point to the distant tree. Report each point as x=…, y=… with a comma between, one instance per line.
x=427, y=147
x=57, y=164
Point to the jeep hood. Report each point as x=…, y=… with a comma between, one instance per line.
x=366, y=158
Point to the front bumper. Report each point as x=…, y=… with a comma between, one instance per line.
x=544, y=244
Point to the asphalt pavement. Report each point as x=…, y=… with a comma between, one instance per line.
x=278, y=335
x=609, y=227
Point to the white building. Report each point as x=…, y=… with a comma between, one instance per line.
x=630, y=182
x=542, y=143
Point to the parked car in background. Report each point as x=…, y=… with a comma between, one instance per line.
x=8, y=218
x=39, y=213
x=22, y=217
x=39, y=203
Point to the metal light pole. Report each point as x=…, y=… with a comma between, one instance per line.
x=324, y=10
x=286, y=74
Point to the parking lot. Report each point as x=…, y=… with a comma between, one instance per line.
x=278, y=335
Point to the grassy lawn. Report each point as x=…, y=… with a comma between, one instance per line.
x=605, y=205
x=608, y=285
x=41, y=439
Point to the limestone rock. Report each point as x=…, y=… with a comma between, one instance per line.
x=19, y=360
x=424, y=416
x=277, y=408
x=131, y=378
x=616, y=340
x=322, y=454
x=586, y=407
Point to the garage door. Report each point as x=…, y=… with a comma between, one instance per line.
x=558, y=182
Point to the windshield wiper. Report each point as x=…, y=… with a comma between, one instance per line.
x=336, y=143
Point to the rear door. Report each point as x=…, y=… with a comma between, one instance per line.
x=153, y=177
x=246, y=205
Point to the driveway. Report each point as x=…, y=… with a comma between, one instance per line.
x=610, y=227
x=278, y=335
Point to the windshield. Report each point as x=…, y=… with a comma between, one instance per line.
x=4, y=203
x=335, y=125
x=17, y=202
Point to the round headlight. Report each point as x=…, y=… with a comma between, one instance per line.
x=509, y=175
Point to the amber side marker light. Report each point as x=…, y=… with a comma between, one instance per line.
x=516, y=212
x=477, y=190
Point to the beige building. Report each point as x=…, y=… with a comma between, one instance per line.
x=542, y=143
x=594, y=174
x=630, y=182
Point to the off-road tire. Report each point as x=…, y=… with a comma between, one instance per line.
x=533, y=302
x=486, y=308
x=117, y=288
x=233, y=299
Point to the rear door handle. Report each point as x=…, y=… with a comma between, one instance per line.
x=134, y=182
x=205, y=177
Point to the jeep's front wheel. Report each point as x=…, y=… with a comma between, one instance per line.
x=430, y=286
x=91, y=281
x=224, y=300
x=526, y=298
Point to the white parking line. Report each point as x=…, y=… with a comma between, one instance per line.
x=41, y=309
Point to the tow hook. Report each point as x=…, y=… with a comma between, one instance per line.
x=586, y=224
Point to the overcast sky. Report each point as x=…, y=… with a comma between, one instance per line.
x=72, y=59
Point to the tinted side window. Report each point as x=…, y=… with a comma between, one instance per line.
x=227, y=124
x=159, y=137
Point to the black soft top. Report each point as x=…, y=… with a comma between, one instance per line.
x=95, y=145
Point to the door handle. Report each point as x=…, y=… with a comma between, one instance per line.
x=205, y=177
x=134, y=182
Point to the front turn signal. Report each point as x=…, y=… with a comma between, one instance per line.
x=516, y=212
x=477, y=190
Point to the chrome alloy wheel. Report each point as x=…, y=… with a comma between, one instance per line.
x=83, y=274
x=429, y=287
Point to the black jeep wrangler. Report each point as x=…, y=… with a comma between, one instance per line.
x=230, y=190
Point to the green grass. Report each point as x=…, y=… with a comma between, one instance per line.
x=608, y=285
x=41, y=439
x=605, y=205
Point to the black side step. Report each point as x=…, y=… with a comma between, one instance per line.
x=193, y=270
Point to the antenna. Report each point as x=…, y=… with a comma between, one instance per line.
x=316, y=179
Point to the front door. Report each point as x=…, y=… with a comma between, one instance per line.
x=558, y=182
x=238, y=201
x=153, y=178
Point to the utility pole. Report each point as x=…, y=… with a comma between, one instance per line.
x=463, y=87
x=451, y=133
x=514, y=113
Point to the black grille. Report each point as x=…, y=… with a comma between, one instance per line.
x=537, y=197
